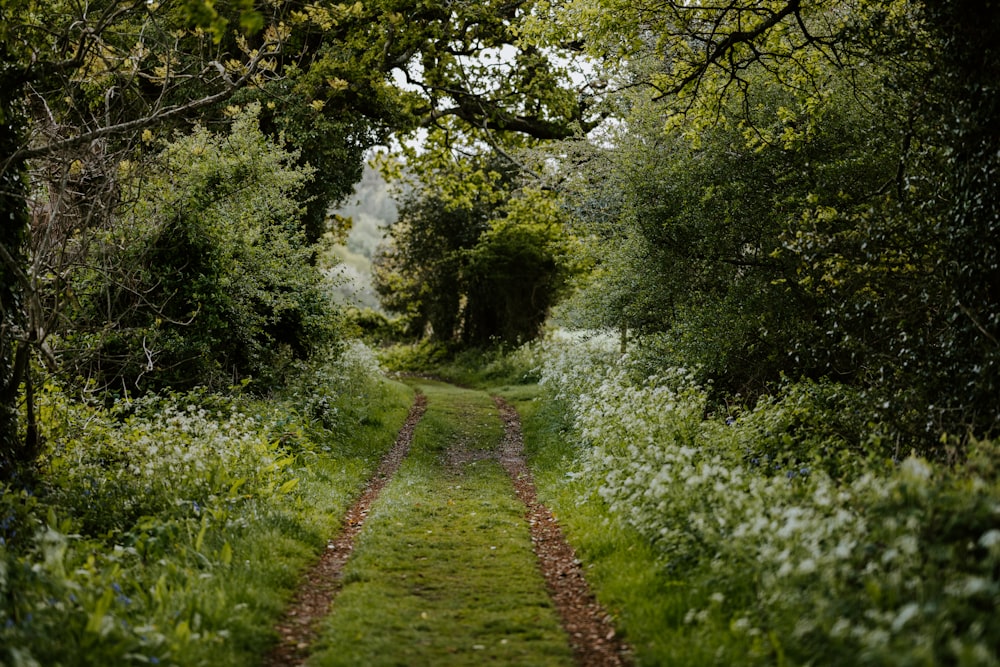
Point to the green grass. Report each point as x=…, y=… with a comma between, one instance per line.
x=185, y=587
x=621, y=566
x=284, y=541
x=443, y=572
x=279, y=542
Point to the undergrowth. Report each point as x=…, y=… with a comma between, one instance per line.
x=171, y=529
x=478, y=367
x=771, y=536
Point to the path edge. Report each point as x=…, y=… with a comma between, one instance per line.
x=592, y=635
x=298, y=627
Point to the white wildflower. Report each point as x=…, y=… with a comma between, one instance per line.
x=915, y=468
x=990, y=539
x=905, y=614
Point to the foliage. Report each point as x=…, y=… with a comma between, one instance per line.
x=969, y=345
x=330, y=143
x=205, y=277
x=473, y=258
x=793, y=545
x=418, y=274
x=89, y=92
x=169, y=529
x=516, y=271
x=373, y=326
x=494, y=366
x=789, y=203
x=416, y=357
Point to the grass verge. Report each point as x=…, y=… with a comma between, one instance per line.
x=444, y=572
x=621, y=566
x=192, y=565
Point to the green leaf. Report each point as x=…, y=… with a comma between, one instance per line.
x=288, y=486
x=199, y=541
x=226, y=554
x=95, y=621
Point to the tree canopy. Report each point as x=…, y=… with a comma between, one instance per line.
x=779, y=189
x=803, y=193
x=87, y=89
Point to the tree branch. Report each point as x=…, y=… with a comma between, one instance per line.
x=231, y=87
x=724, y=48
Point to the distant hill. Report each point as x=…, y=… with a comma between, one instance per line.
x=372, y=210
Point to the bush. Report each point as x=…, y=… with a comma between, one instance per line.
x=206, y=276
x=799, y=542
x=170, y=528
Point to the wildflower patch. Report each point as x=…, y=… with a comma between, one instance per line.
x=787, y=548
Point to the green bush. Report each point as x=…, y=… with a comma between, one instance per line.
x=797, y=536
x=414, y=357
x=171, y=528
x=206, y=276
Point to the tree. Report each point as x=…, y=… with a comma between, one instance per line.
x=473, y=258
x=205, y=277
x=889, y=231
x=419, y=273
x=88, y=84
x=517, y=271
x=702, y=238
x=60, y=63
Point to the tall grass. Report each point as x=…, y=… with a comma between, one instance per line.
x=171, y=529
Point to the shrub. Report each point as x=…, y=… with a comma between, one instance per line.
x=206, y=276
x=798, y=542
x=169, y=528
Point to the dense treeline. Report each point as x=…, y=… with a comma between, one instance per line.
x=787, y=191
x=168, y=168
x=478, y=269
x=801, y=191
x=783, y=191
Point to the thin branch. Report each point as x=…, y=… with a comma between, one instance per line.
x=232, y=86
x=722, y=49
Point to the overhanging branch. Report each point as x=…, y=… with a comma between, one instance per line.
x=725, y=47
x=268, y=50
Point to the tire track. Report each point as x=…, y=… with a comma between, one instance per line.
x=592, y=635
x=314, y=597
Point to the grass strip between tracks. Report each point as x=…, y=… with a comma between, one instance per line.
x=444, y=572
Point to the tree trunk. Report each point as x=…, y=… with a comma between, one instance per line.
x=13, y=228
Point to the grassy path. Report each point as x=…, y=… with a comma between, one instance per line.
x=320, y=584
x=444, y=573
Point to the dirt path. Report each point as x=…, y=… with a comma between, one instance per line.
x=315, y=595
x=421, y=558
x=592, y=635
